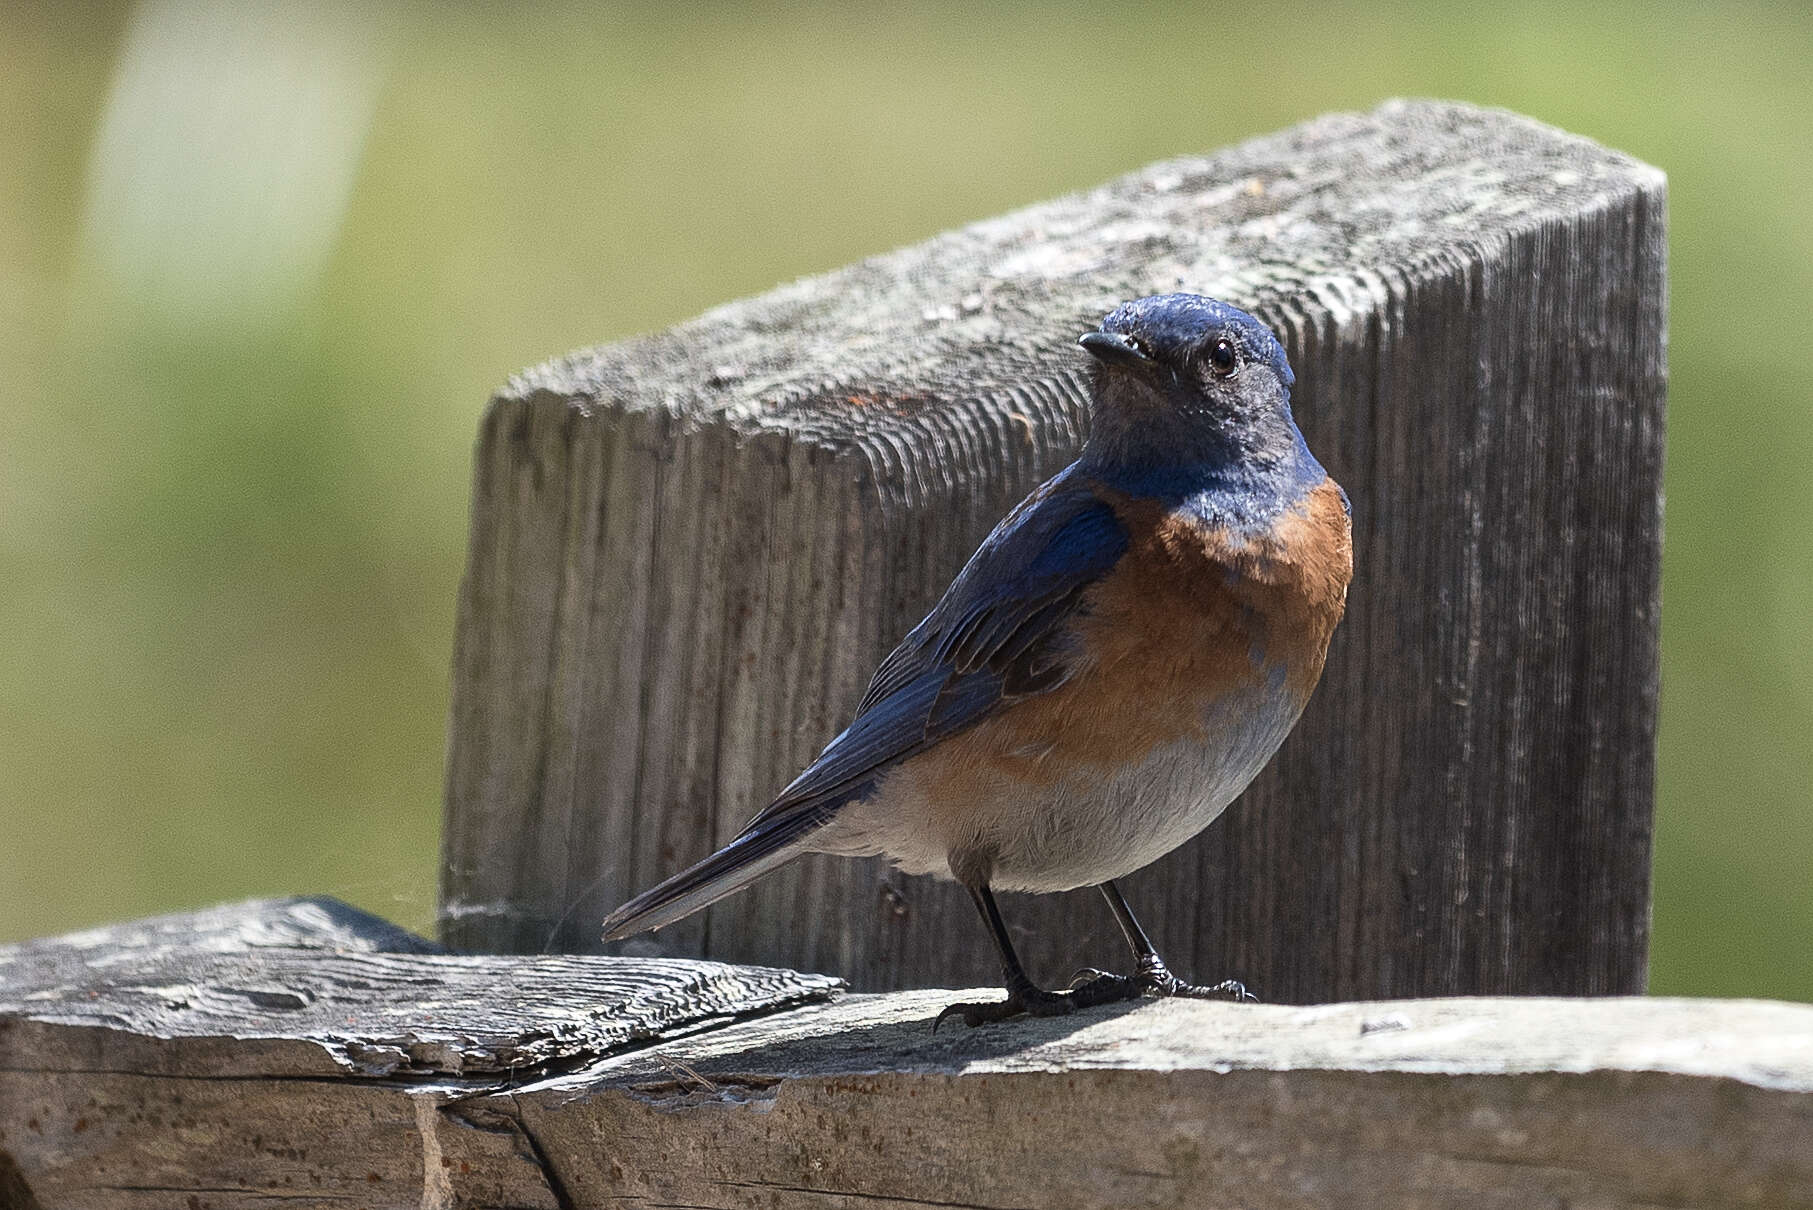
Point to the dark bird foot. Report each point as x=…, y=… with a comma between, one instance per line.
x=1154, y=978
x=1032, y=1001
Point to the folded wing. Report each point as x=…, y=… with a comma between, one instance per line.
x=997, y=636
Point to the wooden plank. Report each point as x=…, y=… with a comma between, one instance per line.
x=689, y=550
x=1464, y=1103
x=208, y=1076
x=298, y=1051
x=145, y=998
x=195, y=1076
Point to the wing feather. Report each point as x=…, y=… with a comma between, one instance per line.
x=997, y=635
x=994, y=637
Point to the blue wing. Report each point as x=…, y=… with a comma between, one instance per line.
x=995, y=637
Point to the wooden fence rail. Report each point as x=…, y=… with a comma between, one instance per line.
x=689, y=551
x=299, y=1054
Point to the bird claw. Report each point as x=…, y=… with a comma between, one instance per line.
x=1091, y=986
x=1032, y=1001
x=1104, y=987
x=1227, y=989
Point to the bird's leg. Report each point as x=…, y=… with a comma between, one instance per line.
x=1153, y=976
x=1023, y=996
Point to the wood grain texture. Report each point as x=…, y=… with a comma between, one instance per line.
x=1463, y=1103
x=195, y=1076
x=689, y=551
x=334, y=1005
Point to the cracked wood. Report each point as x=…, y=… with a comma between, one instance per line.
x=303, y=1050
x=1466, y=1103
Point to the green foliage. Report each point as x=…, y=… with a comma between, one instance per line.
x=241, y=397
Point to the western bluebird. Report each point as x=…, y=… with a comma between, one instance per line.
x=1112, y=667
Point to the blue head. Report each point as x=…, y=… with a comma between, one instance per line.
x=1187, y=386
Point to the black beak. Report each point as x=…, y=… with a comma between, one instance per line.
x=1111, y=348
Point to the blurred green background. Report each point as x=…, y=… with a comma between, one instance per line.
x=260, y=267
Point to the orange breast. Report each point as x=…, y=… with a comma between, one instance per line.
x=1192, y=612
x=1188, y=624
x=1188, y=615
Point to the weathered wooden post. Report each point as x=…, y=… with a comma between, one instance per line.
x=689, y=550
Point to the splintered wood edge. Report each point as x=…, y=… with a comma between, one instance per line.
x=289, y=1012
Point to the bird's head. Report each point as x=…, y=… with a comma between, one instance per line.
x=1185, y=379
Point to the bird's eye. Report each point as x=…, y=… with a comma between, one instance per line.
x=1221, y=357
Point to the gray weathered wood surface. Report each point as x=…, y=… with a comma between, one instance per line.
x=689, y=550
x=348, y=993
x=111, y=1097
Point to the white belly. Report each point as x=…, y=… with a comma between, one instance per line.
x=1049, y=833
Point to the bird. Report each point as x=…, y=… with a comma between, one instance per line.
x=1117, y=661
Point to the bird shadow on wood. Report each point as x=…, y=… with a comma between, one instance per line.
x=1000, y=1039
x=843, y=1048
x=15, y=1194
